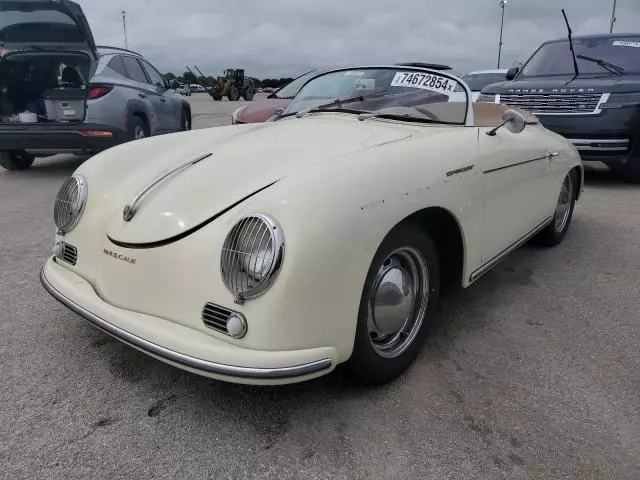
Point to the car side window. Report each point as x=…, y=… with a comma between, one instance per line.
x=154, y=75
x=117, y=66
x=134, y=70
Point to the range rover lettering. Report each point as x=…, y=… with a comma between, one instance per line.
x=595, y=103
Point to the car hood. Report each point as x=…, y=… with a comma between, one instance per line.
x=261, y=110
x=249, y=159
x=567, y=85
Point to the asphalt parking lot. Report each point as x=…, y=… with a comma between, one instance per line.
x=534, y=372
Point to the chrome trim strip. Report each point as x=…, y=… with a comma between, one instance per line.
x=545, y=156
x=495, y=260
x=608, y=145
x=597, y=140
x=182, y=359
x=131, y=209
x=583, y=148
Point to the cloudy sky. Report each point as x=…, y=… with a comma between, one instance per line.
x=287, y=37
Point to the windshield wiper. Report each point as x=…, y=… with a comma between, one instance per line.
x=337, y=101
x=604, y=64
x=394, y=116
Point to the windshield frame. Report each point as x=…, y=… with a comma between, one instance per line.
x=570, y=72
x=469, y=120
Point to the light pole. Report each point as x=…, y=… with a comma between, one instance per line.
x=613, y=17
x=124, y=27
x=503, y=3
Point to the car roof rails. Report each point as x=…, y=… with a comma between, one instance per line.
x=107, y=47
x=432, y=66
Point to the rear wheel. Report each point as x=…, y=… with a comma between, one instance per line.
x=16, y=160
x=185, y=120
x=399, y=297
x=555, y=232
x=249, y=94
x=137, y=128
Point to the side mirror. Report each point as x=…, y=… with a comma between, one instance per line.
x=512, y=72
x=514, y=121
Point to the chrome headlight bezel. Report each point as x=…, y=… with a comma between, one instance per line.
x=255, y=239
x=234, y=115
x=70, y=203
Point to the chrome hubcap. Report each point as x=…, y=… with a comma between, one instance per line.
x=138, y=133
x=564, y=204
x=398, y=302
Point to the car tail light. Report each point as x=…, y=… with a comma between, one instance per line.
x=96, y=133
x=98, y=91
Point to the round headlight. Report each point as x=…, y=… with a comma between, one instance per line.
x=70, y=203
x=251, y=256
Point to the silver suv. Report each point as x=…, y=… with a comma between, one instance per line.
x=60, y=93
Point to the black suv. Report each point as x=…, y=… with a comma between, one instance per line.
x=597, y=107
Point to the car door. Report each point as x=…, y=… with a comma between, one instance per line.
x=516, y=176
x=144, y=91
x=169, y=108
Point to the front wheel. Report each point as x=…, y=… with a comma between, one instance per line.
x=631, y=175
x=555, y=232
x=399, y=297
x=16, y=160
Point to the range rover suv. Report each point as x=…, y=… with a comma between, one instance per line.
x=597, y=107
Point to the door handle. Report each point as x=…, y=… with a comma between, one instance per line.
x=550, y=155
x=142, y=95
x=163, y=100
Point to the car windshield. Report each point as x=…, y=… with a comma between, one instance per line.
x=555, y=58
x=477, y=81
x=37, y=26
x=291, y=89
x=414, y=94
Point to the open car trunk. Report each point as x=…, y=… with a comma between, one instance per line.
x=43, y=87
x=46, y=54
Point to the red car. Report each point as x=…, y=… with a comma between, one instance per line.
x=261, y=110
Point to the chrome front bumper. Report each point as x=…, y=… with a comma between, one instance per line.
x=232, y=373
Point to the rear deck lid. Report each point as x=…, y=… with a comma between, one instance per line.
x=43, y=25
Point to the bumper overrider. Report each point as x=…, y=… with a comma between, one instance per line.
x=181, y=346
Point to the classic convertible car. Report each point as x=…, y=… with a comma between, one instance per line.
x=273, y=252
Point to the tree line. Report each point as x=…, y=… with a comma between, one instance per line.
x=207, y=81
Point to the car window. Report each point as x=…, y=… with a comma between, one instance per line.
x=477, y=81
x=134, y=70
x=117, y=66
x=19, y=25
x=156, y=78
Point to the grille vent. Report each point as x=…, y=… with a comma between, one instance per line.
x=69, y=253
x=216, y=317
x=586, y=103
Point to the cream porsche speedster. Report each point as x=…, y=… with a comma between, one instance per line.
x=273, y=252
